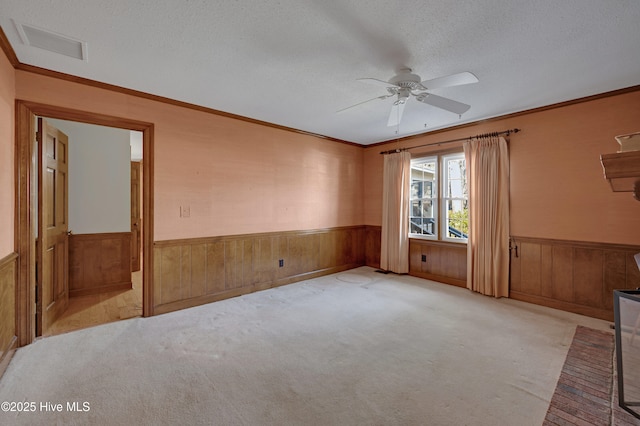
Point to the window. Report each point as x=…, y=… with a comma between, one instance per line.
x=423, y=199
x=438, y=200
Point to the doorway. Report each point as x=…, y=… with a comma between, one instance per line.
x=26, y=203
x=103, y=209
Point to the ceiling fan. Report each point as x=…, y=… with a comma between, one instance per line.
x=404, y=84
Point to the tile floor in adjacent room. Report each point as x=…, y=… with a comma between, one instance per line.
x=89, y=311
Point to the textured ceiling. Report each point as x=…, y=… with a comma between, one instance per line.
x=294, y=63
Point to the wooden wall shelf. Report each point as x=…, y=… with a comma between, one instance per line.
x=622, y=170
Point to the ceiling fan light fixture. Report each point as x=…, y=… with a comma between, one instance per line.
x=406, y=84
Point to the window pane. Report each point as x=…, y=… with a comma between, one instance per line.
x=416, y=189
x=456, y=178
x=423, y=205
x=422, y=220
x=455, y=225
x=422, y=208
x=424, y=226
x=457, y=218
x=423, y=178
x=421, y=189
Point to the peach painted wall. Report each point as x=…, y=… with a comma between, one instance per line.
x=7, y=144
x=557, y=186
x=234, y=176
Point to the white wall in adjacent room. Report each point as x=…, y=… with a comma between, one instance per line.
x=99, y=177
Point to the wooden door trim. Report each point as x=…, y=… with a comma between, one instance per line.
x=137, y=232
x=25, y=129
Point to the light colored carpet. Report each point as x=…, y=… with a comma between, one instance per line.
x=355, y=348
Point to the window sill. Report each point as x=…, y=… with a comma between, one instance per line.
x=439, y=242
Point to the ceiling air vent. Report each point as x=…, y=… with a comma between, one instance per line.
x=52, y=42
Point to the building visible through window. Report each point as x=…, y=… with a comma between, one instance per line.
x=438, y=200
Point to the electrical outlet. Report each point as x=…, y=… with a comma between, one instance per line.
x=424, y=258
x=280, y=263
x=185, y=211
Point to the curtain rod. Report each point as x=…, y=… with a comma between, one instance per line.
x=504, y=132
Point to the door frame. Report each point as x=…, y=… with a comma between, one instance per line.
x=26, y=112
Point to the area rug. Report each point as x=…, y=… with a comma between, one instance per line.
x=585, y=393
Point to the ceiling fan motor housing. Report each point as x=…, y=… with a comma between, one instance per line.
x=406, y=80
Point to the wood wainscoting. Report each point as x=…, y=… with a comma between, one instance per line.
x=372, y=245
x=99, y=263
x=8, y=338
x=572, y=276
x=192, y=272
x=443, y=261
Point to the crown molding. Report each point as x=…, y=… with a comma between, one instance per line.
x=7, y=49
x=123, y=90
x=512, y=115
x=13, y=59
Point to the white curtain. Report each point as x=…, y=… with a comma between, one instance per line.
x=394, y=255
x=487, y=161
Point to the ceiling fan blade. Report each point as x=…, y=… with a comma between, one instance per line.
x=364, y=102
x=396, y=113
x=377, y=82
x=450, y=80
x=443, y=103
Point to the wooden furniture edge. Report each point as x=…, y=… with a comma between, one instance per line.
x=622, y=171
